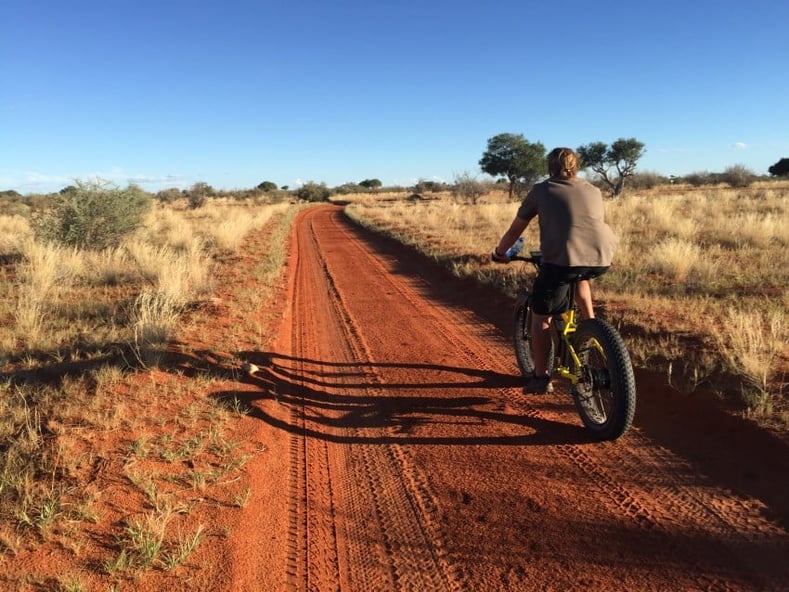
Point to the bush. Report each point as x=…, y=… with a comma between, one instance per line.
x=424, y=186
x=469, y=188
x=313, y=192
x=646, y=180
x=12, y=204
x=738, y=176
x=93, y=215
x=699, y=178
x=197, y=194
x=348, y=188
x=169, y=195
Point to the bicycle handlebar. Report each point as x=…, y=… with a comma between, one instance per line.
x=535, y=258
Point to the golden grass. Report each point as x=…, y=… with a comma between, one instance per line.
x=675, y=259
x=752, y=341
x=154, y=317
x=15, y=231
x=82, y=327
x=687, y=260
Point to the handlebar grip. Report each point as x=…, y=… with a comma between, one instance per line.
x=535, y=257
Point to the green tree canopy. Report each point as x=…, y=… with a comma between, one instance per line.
x=622, y=155
x=267, y=186
x=514, y=157
x=370, y=183
x=780, y=168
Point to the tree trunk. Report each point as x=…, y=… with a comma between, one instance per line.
x=620, y=184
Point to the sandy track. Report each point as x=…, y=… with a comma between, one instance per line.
x=411, y=461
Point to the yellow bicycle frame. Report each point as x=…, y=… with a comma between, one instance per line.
x=569, y=327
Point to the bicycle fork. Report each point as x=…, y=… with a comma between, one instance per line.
x=565, y=325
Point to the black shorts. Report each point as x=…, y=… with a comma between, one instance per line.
x=551, y=291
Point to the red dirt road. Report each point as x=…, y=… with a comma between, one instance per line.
x=403, y=455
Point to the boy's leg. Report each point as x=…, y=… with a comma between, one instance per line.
x=583, y=298
x=540, y=342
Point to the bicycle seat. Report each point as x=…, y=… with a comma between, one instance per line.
x=588, y=275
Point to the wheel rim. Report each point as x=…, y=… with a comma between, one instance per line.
x=594, y=390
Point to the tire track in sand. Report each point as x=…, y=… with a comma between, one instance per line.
x=359, y=517
x=376, y=511
x=736, y=527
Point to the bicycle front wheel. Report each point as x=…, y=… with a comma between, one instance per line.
x=605, y=395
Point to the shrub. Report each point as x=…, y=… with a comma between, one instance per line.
x=738, y=176
x=169, y=195
x=197, y=194
x=469, y=188
x=348, y=188
x=647, y=180
x=93, y=215
x=311, y=191
x=12, y=203
x=423, y=186
x=699, y=178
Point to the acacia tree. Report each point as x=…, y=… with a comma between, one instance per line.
x=780, y=168
x=371, y=183
x=267, y=186
x=514, y=157
x=622, y=155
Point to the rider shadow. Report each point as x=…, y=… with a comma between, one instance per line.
x=348, y=403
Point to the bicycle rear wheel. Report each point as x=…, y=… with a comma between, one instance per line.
x=605, y=396
x=521, y=337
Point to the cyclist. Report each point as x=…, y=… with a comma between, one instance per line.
x=574, y=240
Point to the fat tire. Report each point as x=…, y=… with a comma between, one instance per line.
x=605, y=398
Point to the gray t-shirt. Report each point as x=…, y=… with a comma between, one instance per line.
x=570, y=213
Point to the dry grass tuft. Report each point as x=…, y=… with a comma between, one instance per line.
x=752, y=342
x=675, y=258
x=154, y=318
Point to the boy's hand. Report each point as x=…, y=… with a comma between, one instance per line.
x=499, y=258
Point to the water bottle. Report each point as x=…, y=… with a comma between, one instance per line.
x=516, y=248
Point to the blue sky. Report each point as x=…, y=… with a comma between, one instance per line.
x=234, y=92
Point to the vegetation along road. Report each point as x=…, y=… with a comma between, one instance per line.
x=377, y=439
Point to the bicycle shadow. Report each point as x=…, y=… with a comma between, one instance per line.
x=348, y=403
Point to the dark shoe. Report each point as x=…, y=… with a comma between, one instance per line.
x=538, y=385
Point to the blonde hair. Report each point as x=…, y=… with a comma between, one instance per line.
x=562, y=162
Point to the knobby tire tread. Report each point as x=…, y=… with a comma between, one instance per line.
x=622, y=380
